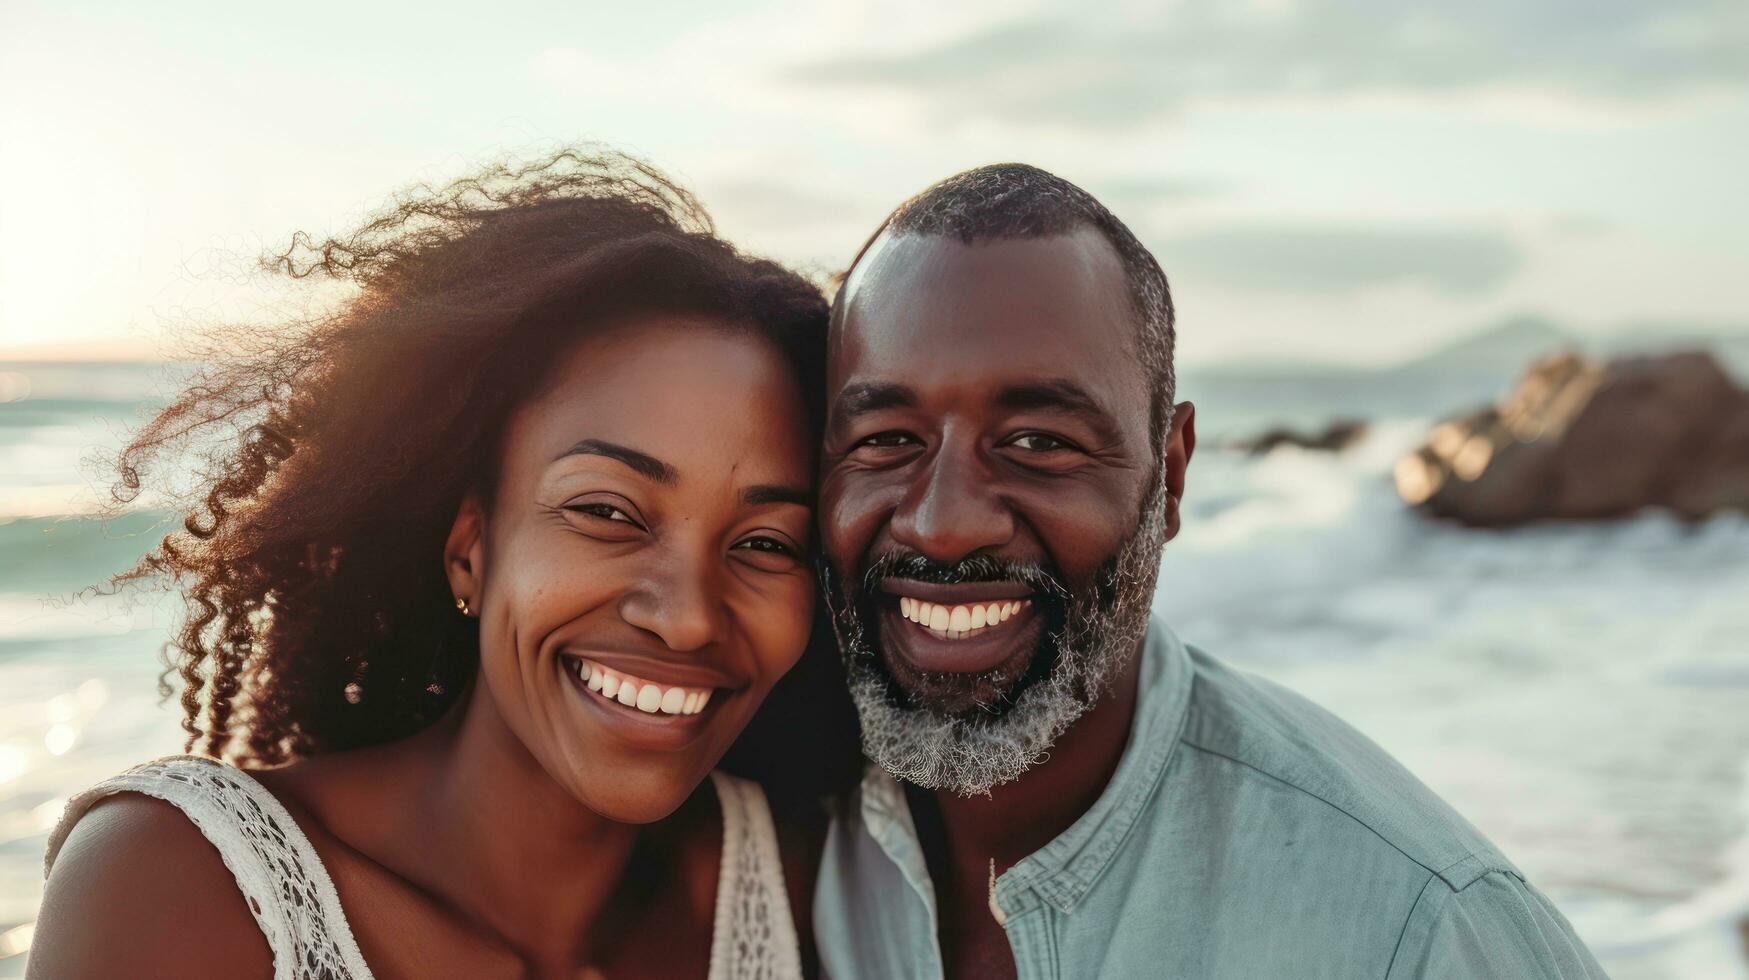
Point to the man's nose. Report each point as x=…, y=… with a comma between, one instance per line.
x=952, y=510
x=680, y=601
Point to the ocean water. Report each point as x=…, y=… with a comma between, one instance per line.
x=1581, y=693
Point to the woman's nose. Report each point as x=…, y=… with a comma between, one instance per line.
x=680, y=601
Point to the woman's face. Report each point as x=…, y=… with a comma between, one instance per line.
x=642, y=577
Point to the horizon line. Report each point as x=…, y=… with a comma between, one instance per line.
x=83, y=351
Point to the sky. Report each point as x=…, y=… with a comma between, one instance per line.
x=1338, y=180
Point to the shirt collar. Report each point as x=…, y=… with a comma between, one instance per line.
x=887, y=816
x=1063, y=870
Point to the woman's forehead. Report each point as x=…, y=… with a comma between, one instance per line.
x=697, y=394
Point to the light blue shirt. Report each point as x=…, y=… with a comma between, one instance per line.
x=1246, y=833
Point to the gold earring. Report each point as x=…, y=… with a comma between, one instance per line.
x=462, y=604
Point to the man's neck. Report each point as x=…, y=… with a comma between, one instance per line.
x=1019, y=817
x=967, y=840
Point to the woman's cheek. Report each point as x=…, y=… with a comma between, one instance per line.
x=784, y=629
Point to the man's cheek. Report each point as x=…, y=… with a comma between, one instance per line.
x=849, y=521
x=1081, y=533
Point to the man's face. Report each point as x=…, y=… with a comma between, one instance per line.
x=992, y=506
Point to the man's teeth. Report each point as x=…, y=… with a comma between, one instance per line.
x=959, y=622
x=635, y=692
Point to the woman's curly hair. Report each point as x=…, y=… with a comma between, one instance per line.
x=339, y=446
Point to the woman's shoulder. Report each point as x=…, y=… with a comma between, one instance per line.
x=767, y=857
x=137, y=889
x=136, y=835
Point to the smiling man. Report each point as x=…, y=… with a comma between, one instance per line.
x=1058, y=786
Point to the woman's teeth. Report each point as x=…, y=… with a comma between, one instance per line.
x=635, y=692
x=959, y=622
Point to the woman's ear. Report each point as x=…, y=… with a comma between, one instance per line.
x=463, y=555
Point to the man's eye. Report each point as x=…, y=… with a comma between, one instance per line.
x=886, y=440
x=1038, y=442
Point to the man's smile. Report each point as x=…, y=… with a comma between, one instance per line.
x=959, y=622
x=963, y=628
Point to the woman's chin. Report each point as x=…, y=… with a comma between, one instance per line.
x=628, y=787
x=648, y=798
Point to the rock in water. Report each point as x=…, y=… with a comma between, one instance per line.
x=1335, y=437
x=1582, y=440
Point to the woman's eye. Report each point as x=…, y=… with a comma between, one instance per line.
x=767, y=553
x=604, y=511
x=771, y=545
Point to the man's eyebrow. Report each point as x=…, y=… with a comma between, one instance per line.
x=869, y=396
x=643, y=464
x=1057, y=395
x=773, y=494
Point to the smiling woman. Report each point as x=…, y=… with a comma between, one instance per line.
x=668, y=548
x=497, y=562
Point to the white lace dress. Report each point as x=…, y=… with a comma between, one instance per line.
x=295, y=903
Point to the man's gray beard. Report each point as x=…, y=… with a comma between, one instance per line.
x=971, y=754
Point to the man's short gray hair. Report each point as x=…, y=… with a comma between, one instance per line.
x=1015, y=200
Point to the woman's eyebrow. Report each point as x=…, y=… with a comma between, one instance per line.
x=643, y=464
x=654, y=469
x=773, y=494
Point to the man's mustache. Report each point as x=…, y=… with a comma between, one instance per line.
x=916, y=567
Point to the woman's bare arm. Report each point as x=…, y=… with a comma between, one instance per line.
x=136, y=891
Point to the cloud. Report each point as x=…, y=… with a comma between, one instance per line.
x=1094, y=73
x=779, y=201
x=1456, y=262
x=1134, y=194
x=1581, y=225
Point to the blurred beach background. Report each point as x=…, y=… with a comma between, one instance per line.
x=1368, y=211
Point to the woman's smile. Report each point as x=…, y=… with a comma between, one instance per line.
x=633, y=726
x=641, y=693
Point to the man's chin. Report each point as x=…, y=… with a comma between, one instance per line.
x=988, y=693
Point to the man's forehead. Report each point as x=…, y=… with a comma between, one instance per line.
x=1045, y=305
